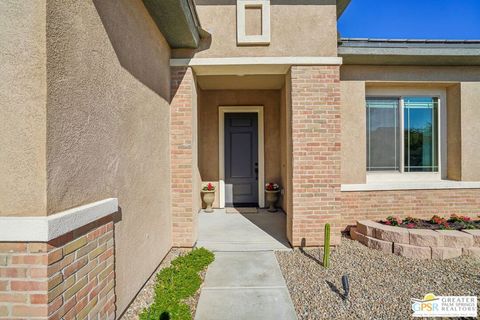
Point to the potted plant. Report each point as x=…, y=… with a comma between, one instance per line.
x=272, y=190
x=208, y=193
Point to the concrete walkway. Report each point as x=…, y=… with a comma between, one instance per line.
x=245, y=280
x=221, y=231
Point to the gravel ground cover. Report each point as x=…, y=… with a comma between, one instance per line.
x=381, y=285
x=146, y=295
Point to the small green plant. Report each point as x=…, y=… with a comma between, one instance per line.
x=393, y=221
x=326, y=246
x=175, y=284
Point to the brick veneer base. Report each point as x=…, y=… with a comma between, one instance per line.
x=71, y=277
x=377, y=205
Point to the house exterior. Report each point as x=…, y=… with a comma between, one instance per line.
x=116, y=113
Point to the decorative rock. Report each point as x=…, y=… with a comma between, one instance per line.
x=392, y=234
x=384, y=246
x=425, y=238
x=354, y=233
x=456, y=239
x=442, y=253
x=476, y=236
x=358, y=236
x=472, y=252
x=414, y=252
x=367, y=227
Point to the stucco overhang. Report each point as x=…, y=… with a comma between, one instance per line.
x=409, y=52
x=177, y=20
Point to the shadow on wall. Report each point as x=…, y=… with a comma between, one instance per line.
x=140, y=47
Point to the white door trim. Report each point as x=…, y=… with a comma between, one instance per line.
x=221, y=149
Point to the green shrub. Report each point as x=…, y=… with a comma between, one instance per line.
x=197, y=259
x=176, y=283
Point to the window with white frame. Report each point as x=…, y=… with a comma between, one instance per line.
x=402, y=134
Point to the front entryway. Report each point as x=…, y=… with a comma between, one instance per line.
x=241, y=159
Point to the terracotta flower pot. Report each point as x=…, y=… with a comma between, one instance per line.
x=272, y=198
x=208, y=198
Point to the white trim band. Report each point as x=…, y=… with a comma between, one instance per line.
x=43, y=229
x=428, y=185
x=243, y=61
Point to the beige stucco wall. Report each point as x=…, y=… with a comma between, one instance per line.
x=210, y=100
x=354, y=143
x=286, y=151
x=22, y=108
x=108, y=126
x=409, y=73
x=454, y=137
x=470, y=136
x=315, y=34
x=197, y=179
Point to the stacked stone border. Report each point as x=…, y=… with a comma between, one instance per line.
x=417, y=243
x=70, y=277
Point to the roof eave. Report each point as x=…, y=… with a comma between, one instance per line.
x=410, y=52
x=177, y=20
x=413, y=57
x=341, y=6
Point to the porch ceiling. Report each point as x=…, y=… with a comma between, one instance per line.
x=247, y=82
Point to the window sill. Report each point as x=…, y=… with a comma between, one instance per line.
x=417, y=185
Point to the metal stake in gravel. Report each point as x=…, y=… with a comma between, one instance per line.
x=346, y=286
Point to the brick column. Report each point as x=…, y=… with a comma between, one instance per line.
x=316, y=154
x=184, y=219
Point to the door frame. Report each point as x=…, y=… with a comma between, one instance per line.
x=221, y=149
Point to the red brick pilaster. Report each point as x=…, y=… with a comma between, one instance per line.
x=316, y=154
x=182, y=157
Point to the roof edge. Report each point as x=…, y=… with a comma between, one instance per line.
x=341, y=6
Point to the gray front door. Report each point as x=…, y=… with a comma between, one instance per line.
x=241, y=159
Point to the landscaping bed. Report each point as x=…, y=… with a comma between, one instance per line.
x=454, y=222
x=381, y=285
x=417, y=243
x=173, y=291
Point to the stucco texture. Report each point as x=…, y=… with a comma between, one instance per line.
x=353, y=132
x=470, y=136
x=286, y=151
x=23, y=108
x=410, y=73
x=210, y=100
x=108, y=126
x=454, y=136
x=315, y=34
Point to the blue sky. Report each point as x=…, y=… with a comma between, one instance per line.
x=413, y=19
